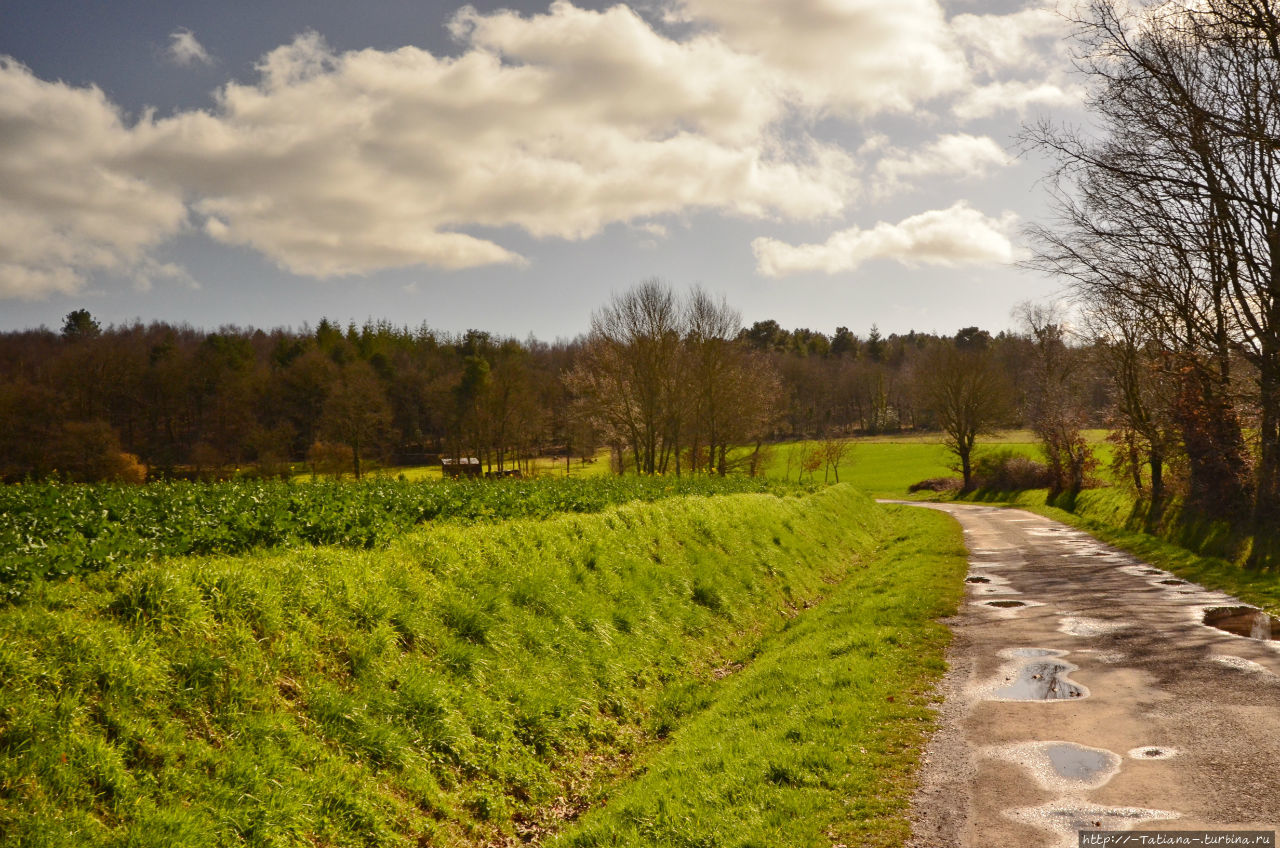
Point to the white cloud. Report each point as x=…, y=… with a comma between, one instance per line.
x=955, y=155
x=958, y=235
x=68, y=204
x=858, y=56
x=184, y=50
x=559, y=124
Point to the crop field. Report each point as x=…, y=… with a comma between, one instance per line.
x=55, y=531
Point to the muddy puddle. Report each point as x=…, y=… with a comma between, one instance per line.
x=1005, y=604
x=977, y=580
x=1250, y=622
x=1042, y=680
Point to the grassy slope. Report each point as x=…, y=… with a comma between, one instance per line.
x=447, y=689
x=814, y=743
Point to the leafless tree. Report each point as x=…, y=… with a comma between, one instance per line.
x=968, y=396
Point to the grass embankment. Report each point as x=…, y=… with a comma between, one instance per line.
x=815, y=742
x=1182, y=545
x=467, y=683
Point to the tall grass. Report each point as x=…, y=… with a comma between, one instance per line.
x=464, y=685
x=816, y=741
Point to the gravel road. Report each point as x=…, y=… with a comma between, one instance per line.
x=1086, y=693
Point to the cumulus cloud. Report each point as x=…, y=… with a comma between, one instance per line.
x=70, y=204
x=955, y=155
x=184, y=50
x=958, y=235
x=557, y=124
x=858, y=56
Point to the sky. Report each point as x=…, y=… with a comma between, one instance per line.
x=509, y=166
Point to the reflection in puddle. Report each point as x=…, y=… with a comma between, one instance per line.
x=1075, y=762
x=1005, y=604
x=1244, y=621
x=1172, y=582
x=977, y=580
x=1061, y=765
x=1043, y=680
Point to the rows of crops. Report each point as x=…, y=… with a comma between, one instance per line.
x=53, y=530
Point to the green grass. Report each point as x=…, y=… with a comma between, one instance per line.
x=815, y=742
x=884, y=466
x=453, y=687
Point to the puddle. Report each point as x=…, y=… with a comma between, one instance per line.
x=1061, y=765
x=1172, y=582
x=1042, y=680
x=1033, y=652
x=977, y=580
x=1067, y=819
x=1250, y=622
x=1005, y=604
x=1151, y=571
x=1152, y=752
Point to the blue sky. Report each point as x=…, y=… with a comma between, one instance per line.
x=506, y=166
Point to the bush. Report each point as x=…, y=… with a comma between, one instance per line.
x=937, y=484
x=1006, y=471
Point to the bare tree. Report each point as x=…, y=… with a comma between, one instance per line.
x=967, y=394
x=1175, y=211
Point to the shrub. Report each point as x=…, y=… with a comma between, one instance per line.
x=1006, y=471
x=937, y=484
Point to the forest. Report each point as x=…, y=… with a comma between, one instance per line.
x=665, y=390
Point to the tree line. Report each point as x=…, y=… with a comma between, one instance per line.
x=1169, y=231
x=667, y=382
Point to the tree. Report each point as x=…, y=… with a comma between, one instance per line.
x=628, y=377
x=967, y=395
x=79, y=324
x=1055, y=406
x=1175, y=211
x=356, y=412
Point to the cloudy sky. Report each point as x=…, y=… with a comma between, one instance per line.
x=506, y=166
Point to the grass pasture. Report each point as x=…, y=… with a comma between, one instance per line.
x=472, y=683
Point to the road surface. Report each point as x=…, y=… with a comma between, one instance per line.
x=1085, y=692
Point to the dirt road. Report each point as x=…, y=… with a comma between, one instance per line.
x=1085, y=692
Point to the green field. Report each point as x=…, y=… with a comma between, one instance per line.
x=466, y=683
x=885, y=466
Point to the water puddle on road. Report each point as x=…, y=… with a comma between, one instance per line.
x=1042, y=680
x=1005, y=604
x=977, y=580
x=1061, y=765
x=1076, y=762
x=1249, y=622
